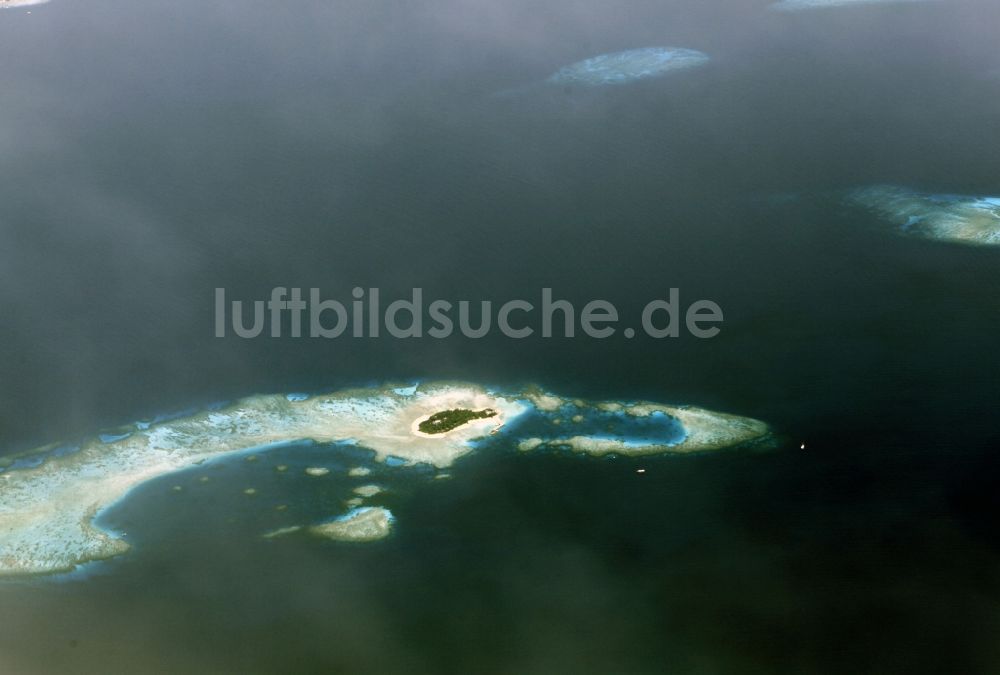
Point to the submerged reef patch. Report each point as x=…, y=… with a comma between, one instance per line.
x=368, y=523
x=360, y=524
x=4, y=4
x=627, y=66
x=48, y=506
x=797, y=5
x=945, y=217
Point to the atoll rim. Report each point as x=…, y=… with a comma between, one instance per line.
x=48, y=506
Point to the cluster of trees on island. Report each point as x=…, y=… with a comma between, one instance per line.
x=446, y=420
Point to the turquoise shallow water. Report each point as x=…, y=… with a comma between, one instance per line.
x=570, y=420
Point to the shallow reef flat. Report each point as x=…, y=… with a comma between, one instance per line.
x=49, y=500
x=798, y=5
x=368, y=523
x=20, y=3
x=628, y=66
x=945, y=217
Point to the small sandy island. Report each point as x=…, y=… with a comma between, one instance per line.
x=444, y=422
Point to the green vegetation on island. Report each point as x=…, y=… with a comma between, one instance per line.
x=446, y=420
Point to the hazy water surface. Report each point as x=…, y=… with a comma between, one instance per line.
x=151, y=152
